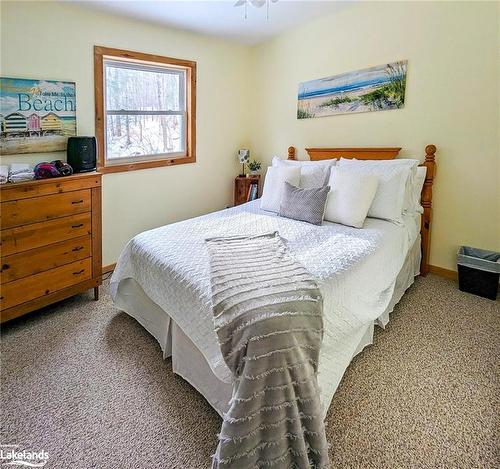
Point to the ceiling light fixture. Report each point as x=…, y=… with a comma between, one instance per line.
x=256, y=4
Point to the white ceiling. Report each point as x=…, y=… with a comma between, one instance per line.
x=221, y=18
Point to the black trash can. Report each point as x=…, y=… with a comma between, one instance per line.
x=478, y=271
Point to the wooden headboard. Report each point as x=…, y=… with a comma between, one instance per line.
x=367, y=153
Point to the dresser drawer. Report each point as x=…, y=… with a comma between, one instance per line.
x=35, y=286
x=26, y=237
x=45, y=258
x=48, y=207
x=41, y=187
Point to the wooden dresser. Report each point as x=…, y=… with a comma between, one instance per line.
x=51, y=241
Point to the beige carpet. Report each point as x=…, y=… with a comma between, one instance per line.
x=87, y=384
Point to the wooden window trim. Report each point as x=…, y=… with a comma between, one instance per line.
x=190, y=66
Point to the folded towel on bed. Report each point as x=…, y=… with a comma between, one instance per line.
x=268, y=319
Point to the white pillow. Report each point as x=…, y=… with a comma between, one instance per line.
x=278, y=162
x=395, y=192
x=351, y=194
x=410, y=202
x=274, y=185
x=312, y=177
x=313, y=174
x=418, y=186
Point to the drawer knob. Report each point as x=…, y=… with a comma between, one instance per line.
x=78, y=248
x=77, y=226
x=5, y=267
x=77, y=202
x=79, y=272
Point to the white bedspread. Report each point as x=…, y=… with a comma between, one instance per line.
x=356, y=270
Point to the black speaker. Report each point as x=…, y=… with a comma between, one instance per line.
x=82, y=153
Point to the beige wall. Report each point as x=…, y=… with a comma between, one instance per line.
x=451, y=101
x=55, y=41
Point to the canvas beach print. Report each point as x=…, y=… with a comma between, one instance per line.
x=372, y=89
x=36, y=116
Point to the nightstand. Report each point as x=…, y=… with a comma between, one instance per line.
x=242, y=186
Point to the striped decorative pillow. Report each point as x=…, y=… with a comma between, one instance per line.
x=304, y=204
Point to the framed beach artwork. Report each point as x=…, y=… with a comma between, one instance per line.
x=372, y=89
x=36, y=116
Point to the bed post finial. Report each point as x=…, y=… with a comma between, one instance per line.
x=426, y=201
x=291, y=153
x=430, y=150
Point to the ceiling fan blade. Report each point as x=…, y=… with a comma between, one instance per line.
x=258, y=3
x=239, y=3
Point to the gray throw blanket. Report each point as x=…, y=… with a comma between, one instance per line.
x=268, y=318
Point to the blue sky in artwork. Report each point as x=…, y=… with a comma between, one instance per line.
x=344, y=82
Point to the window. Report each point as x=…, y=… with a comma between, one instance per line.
x=145, y=110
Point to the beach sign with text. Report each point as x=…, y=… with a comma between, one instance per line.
x=36, y=116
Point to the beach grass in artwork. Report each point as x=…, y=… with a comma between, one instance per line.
x=372, y=89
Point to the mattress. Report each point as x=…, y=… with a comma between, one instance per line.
x=167, y=270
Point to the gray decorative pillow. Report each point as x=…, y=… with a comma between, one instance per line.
x=304, y=204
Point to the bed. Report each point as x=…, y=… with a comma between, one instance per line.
x=162, y=280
